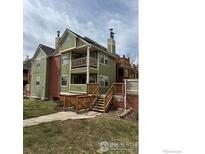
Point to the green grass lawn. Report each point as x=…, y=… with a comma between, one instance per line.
x=82, y=136
x=34, y=108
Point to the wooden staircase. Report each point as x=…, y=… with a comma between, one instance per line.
x=98, y=106
x=93, y=100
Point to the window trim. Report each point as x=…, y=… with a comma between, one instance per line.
x=61, y=80
x=65, y=54
x=104, y=57
x=38, y=62
x=38, y=77
x=103, y=77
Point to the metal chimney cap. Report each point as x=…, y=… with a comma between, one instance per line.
x=111, y=33
x=58, y=33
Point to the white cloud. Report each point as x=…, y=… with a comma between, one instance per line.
x=41, y=21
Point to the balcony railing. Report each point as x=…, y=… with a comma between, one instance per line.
x=81, y=62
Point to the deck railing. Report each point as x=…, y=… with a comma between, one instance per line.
x=115, y=89
x=86, y=101
x=82, y=62
x=91, y=87
x=108, y=98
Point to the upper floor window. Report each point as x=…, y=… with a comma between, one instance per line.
x=101, y=58
x=38, y=63
x=104, y=59
x=65, y=59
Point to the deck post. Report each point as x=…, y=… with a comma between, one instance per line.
x=64, y=99
x=88, y=64
x=125, y=94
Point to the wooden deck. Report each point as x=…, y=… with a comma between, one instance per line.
x=92, y=99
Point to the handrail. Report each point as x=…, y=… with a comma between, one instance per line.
x=80, y=62
x=108, y=97
x=91, y=87
x=95, y=94
x=88, y=100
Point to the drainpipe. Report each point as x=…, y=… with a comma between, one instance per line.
x=125, y=93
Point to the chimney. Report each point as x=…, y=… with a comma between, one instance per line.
x=27, y=57
x=111, y=42
x=57, y=38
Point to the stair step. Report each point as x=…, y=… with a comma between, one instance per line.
x=97, y=104
x=98, y=107
x=100, y=102
x=97, y=110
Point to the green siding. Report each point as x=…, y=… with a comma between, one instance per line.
x=65, y=71
x=41, y=90
x=69, y=42
x=79, y=42
x=78, y=87
x=108, y=70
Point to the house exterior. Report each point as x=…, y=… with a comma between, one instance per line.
x=75, y=62
x=84, y=61
x=26, y=77
x=40, y=71
x=81, y=72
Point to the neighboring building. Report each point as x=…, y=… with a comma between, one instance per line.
x=40, y=73
x=26, y=77
x=125, y=70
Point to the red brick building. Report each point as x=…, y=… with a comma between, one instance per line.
x=125, y=70
x=54, y=77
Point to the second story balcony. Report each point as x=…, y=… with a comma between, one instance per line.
x=82, y=62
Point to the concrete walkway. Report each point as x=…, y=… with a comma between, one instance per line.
x=59, y=116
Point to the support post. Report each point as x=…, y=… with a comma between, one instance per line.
x=125, y=93
x=88, y=64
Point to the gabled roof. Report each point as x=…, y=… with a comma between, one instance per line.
x=27, y=64
x=94, y=43
x=85, y=39
x=48, y=50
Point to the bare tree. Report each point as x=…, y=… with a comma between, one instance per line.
x=131, y=57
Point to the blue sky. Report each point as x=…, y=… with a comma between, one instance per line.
x=91, y=18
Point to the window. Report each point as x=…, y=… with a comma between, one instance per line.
x=64, y=80
x=65, y=59
x=78, y=79
x=93, y=78
x=37, y=81
x=38, y=63
x=104, y=59
x=104, y=81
